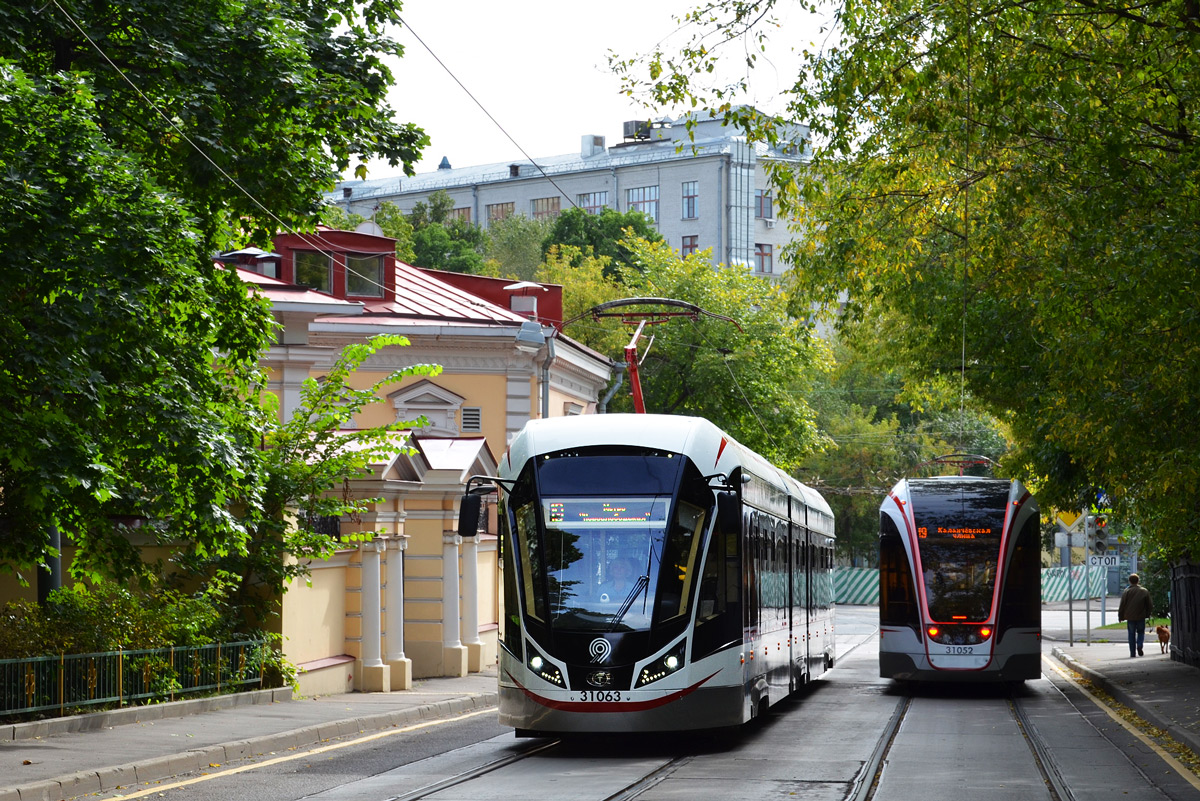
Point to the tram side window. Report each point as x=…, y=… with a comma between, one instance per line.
x=679, y=561
x=1022, y=598
x=718, y=616
x=531, y=560
x=897, y=593
x=511, y=622
x=753, y=568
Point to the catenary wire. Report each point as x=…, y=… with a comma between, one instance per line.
x=482, y=108
x=183, y=134
x=737, y=384
x=315, y=244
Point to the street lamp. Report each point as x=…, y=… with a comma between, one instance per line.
x=530, y=338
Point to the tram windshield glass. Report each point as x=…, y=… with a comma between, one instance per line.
x=959, y=525
x=621, y=541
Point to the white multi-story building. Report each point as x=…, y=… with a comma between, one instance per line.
x=709, y=190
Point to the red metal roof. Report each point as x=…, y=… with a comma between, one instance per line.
x=280, y=292
x=421, y=296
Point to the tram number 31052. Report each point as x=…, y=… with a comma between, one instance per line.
x=599, y=695
x=960, y=649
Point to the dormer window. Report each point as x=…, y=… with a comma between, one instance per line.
x=364, y=276
x=314, y=270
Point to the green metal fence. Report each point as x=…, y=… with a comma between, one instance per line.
x=116, y=678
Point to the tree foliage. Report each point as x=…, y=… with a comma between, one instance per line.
x=443, y=242
x=137, y=140
x=1018, y=185
x=248, y=110
x=514, y=246
x=115, y=407
x=883, y=423
x=605, y=234
x=749, y=377
x=585, y=282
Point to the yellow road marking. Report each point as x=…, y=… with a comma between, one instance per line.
x=300, y=755
x=1166, y=756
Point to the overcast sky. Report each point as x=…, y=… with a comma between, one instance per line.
x=540, y=68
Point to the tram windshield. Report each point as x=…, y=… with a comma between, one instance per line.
x=621, y=540
x=959, y=525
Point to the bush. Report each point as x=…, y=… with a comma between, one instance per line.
x=108, y=617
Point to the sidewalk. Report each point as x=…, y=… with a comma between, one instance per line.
x=69, y=757
x=1164, y=693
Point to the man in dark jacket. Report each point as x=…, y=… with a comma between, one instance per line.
x=1134, y=609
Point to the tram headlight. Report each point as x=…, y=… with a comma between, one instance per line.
x=664, y=666
x=541, y=667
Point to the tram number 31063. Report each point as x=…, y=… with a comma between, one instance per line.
x=960, y=649
x=599, y=695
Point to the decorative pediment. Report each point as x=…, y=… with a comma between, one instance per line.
x=438, y=404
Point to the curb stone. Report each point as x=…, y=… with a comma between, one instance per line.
x=106, y=719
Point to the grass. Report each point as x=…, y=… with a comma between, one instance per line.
x=1150, y=624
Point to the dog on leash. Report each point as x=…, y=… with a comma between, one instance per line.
x=1164, y=637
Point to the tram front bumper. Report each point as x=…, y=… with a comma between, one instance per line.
x=703, y=708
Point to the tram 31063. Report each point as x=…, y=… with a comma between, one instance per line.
x=657, y=576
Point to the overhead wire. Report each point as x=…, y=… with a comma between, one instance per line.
x=737, y=384
x=487, y=113
x=182, y=133
x=315, y=243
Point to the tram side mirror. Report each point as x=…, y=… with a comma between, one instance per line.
x=468, y=514
x=729, y=513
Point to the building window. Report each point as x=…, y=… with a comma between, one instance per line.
x=764, y=207
x=645, y=200
x=691, y=197
x=593, y=202
x=364, y=276
x=544, y=208
x=690, y=243
x=463, y=214
x=314, y=270
x=764, y=258
x=499, y=211
x=472, y=418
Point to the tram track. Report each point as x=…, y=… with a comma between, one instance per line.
x=862, y=788
x=632, y=790
x=866, y=781
x=531, y=750
x=1059, y=791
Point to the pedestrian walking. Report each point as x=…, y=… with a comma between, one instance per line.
x=1134, y=609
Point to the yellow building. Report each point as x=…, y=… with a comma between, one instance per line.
x=420, y=600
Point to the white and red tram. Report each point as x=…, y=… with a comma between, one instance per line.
x=657, y=576
x=959, y=581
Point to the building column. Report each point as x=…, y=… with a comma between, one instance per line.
x=400, y=665
x=373, y=674
x=454, y=654
x=470, y=603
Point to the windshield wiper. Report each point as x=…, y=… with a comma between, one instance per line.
x=638, y=587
